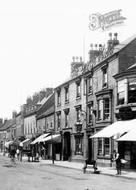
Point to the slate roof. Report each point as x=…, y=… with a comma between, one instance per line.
x=8, y=124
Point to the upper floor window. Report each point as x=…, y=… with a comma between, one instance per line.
x=104, y=109
x=78, y=89
x=78, y=113
x=58, y=97
x=132, y=91
x=66, y=94
x=90, y=84
x=105, y=77
x=100, y=109
x=66, y=112
x=58, y=120
x=90, y=112
x=121, y=92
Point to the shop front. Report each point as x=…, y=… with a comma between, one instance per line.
x=127, y=148
x=120, y=136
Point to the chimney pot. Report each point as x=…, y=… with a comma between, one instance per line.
x=73, y=59
x=80, y=59
x=77, y=59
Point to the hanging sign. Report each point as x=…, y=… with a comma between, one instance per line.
x=106, y=21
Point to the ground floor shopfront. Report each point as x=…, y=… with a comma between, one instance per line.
x=119, y=136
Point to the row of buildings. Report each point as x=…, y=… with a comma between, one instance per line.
x=98, y=94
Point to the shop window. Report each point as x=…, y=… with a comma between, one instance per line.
x=78, y=145
x=100, y=146
x=132, y=91
x=106, y=144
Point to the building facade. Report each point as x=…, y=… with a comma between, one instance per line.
x=102, y=92
x=70, y=107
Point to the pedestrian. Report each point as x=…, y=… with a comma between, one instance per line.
x=18, y=153
x=117, y=159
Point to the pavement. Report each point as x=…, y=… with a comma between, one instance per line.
x=110, y=171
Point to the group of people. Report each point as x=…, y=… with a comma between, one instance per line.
x=13, y=151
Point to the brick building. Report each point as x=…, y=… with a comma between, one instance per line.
x=70, y=101
x=102, y=92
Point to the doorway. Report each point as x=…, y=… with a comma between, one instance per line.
x=67, y=146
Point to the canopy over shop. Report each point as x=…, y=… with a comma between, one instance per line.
x=120, y=135
x=40, y=138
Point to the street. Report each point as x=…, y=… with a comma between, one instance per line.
x=36, y=176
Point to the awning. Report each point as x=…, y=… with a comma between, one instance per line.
x=8, y=143
x=40, y=138
x=54, y=138
x=26, y=141
x=116, y=129
x=130, y=136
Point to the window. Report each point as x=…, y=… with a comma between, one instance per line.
x=106, y=108
x=100, y=109
x=66, y=94
x=100, y=146
x=90, y=84
x=105, y=78
x=78, y=90
x=78, y=112
x=90, y=112
x=58, y=120
x=121, y=92
x=58, y=97
x=78, y=145
x=106, y=146
x=66, y=112
x=132, y=91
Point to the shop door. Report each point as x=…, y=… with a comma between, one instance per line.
x=67, y=146
x=89, y=150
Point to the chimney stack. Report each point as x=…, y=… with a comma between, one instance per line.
x=115, y=40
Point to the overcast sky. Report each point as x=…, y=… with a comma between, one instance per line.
x=38, y=39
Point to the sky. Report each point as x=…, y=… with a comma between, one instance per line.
x=38, y=39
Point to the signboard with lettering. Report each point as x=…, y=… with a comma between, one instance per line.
x=106, y=21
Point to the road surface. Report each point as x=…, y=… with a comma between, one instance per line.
x=37, y=176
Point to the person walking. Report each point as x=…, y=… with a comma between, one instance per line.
x=18, y=153
x=118, y=163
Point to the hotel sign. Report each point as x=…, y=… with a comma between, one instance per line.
x=106, y=21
